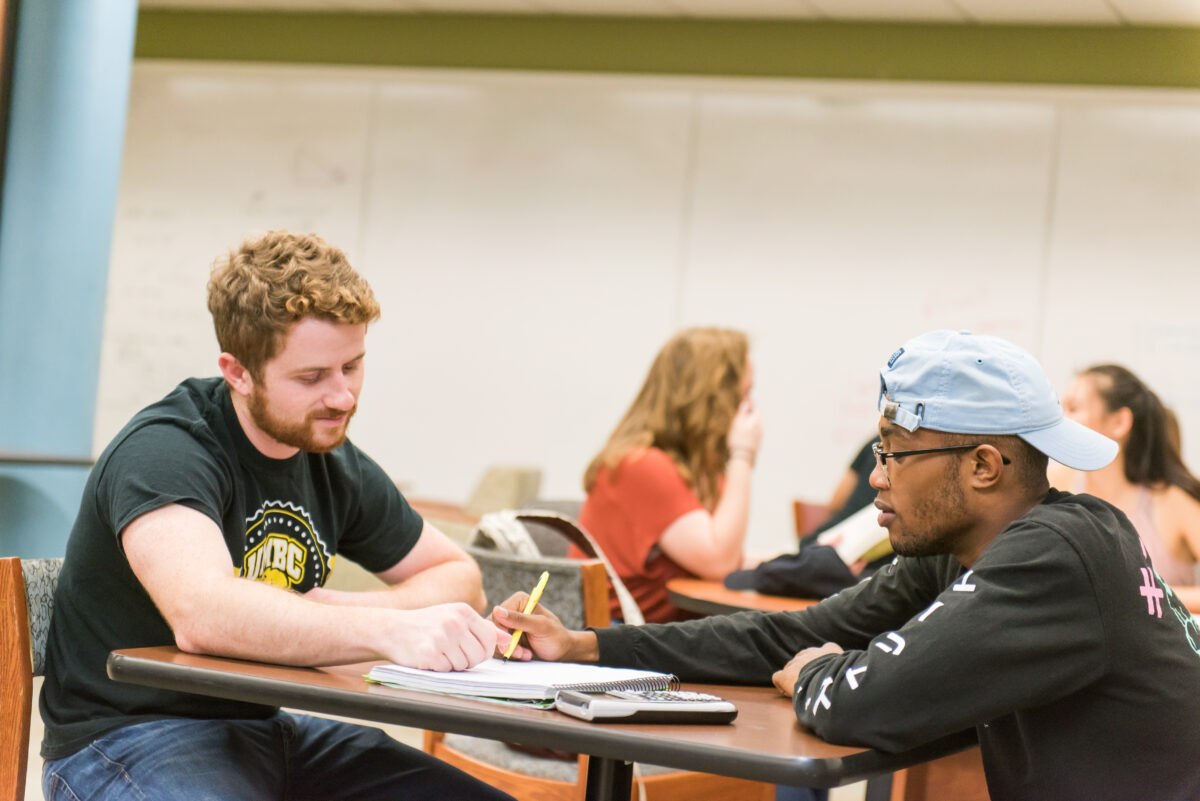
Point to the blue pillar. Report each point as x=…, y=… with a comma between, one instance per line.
x=66, y=129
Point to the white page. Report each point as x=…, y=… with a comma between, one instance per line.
x=520, y=680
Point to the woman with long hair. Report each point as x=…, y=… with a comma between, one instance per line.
x=1148, y=480
x=669, y=494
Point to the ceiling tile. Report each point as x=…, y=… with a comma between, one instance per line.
x=379, y=6
x=908, y=10
x=1078, y=12
x=1047, y=12
x=473, y=6
x=284, y=5
x=784, y=9
x=624, y=8
x=1159, y=12
x=200, y=4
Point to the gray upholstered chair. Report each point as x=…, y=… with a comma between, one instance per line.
x=577, y=590
x=578, y=594
x=26, y=601
x=549, y=541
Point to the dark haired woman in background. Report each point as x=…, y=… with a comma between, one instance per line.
x=1148, y=480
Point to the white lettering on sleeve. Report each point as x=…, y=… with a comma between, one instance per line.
x=852, y=676
x=822, y=698
x=887, y=649
x=962, y=585
x=933, y=606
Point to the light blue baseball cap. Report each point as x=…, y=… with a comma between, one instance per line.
x=964, y=383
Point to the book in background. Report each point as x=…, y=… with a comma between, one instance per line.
x=858, y=538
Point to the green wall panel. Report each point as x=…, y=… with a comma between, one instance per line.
x=1071, y=55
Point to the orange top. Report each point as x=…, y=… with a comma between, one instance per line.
x=627, y=512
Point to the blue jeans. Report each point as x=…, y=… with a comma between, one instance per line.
x=293, y=757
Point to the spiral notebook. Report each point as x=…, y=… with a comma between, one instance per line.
x=518, y=680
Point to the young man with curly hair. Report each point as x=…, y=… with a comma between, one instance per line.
x=212, y=521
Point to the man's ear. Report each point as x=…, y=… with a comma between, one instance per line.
x=236, y=374
x=987, y=463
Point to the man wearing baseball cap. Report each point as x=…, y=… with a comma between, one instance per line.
x=1032, y=616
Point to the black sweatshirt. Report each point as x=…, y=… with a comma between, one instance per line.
x=1076, y=665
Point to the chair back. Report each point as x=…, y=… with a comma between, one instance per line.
x=509, y=531
x=550, y=540
x=808, y=515
x=577, y=590
x=26, y=601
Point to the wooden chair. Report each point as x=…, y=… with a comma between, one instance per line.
x=578, y=594
x=958, y=776
x=26, y=601
x=808, y=515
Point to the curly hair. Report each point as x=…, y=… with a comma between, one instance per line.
x=685, y=408
x=259, y=290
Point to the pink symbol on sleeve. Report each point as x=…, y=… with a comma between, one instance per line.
x=1151, y=592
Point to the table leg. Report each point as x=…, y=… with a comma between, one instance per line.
x=608, y=779
x=879, y=788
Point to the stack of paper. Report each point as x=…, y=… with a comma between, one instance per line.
x=514, y=679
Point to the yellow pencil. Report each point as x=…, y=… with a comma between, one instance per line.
x=533, y=600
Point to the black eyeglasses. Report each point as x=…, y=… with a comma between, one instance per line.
x=881, y=456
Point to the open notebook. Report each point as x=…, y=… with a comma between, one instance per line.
x=518, y=680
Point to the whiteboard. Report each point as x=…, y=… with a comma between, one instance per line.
x=534, y=238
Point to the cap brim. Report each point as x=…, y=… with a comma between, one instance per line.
x=1074, y=445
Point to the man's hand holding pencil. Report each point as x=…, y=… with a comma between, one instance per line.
x=545, y=637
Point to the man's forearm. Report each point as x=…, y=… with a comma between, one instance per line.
x=297, y=633
x=444, y=583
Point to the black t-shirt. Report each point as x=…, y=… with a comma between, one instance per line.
x=1075, y=664
x=284, y=522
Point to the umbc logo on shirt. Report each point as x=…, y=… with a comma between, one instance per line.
x=283, y=548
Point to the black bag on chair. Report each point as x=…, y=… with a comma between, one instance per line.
x=815, y=571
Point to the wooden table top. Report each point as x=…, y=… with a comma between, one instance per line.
x=707, y=597
x=765, y=743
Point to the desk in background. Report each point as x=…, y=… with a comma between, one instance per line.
x=763, y=744
x=705, y=597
